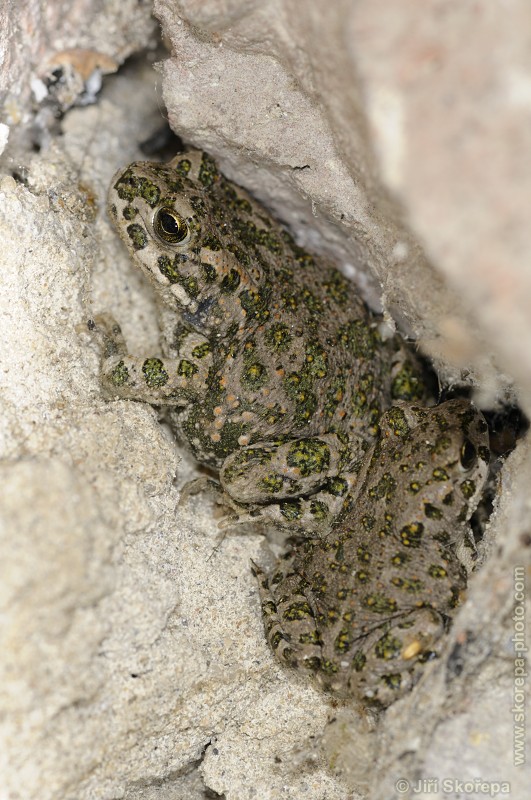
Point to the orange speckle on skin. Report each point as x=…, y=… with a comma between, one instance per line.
x=244, y=440
x=218, y=423
x=215, y=437
x=411, y=650
x=280, y=372
x=247, y=416
x=293, y=472
x=223, y=381
x=217, y=411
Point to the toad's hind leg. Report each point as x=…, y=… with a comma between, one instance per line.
x=289, y=619
x=387, y=662
x=301, y=484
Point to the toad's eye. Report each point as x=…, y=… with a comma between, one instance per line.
x=169, y=226
x=468, y=455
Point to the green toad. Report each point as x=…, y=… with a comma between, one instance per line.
x=274, y=372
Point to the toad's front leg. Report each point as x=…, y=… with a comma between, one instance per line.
x=153, y=379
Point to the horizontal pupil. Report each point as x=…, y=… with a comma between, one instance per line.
x=468, y=454
x=169, y=224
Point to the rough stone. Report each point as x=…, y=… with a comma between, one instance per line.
x=134, y=662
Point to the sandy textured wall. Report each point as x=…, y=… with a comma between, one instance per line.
x=132, y=659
